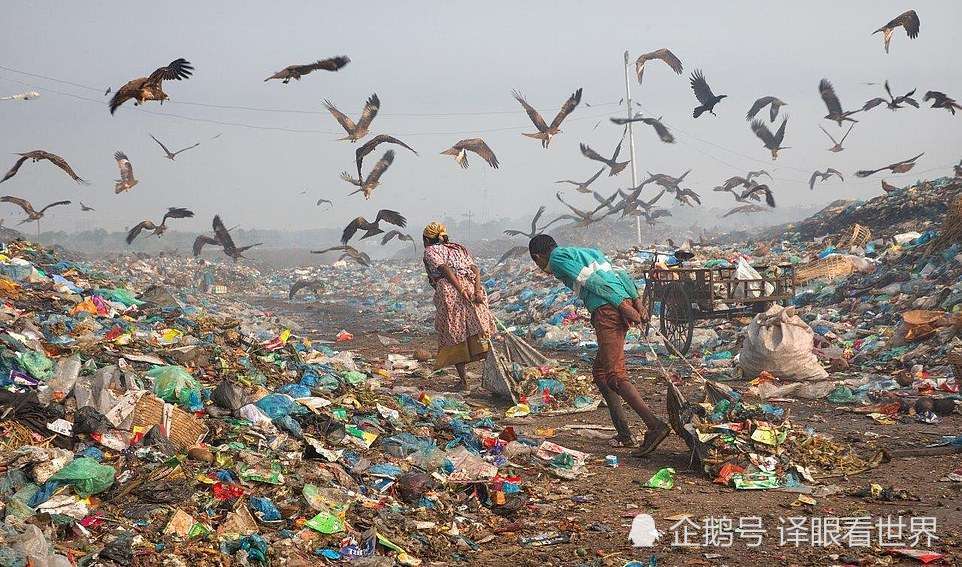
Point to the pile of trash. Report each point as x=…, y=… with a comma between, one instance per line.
x=136, y=427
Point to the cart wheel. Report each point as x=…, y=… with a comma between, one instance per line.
x=677, y=319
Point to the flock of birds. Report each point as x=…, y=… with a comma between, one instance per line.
x=749, y=194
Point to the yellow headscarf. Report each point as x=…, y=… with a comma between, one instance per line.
x=434, y=231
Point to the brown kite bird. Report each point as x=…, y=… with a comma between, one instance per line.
x=582, y=186
x=169, y=154
x=356, y=131
x=348, y=252
x=664, y=55
x=297, y=71
x=838, y=144
x=373, y=179
x=369, y=146
x=37, y=155
x=908, y=20
x=746, y=209
x=761, y=103
x=771, y=141
x=614, y=166
x=24, y=204
x=822, y=176
x=226, y=242
x=545, y=132
x=126, y=181
x=159, y=229
x=151, y=87
x=663, y=133
x=941, y=100
x=476, y=145
x=372, y=228
x=835, y=112
x=897, y=167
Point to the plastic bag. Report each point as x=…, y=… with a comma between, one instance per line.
x=228, y=395
x=37, y=364
x=264, y=509
x=64, y=377
x=86, y=475
x=779, y=342
x=119, y=295
x=276, y=405
x=174, y=384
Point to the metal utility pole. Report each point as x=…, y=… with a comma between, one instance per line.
x=631, y=142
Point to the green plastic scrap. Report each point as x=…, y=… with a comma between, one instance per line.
x=664, y=479
x=255, y=474
x=119, y=295
x=86, y=475
x=354, y=377
x=37, y=364
x=326, y=523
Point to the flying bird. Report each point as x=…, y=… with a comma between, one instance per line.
x=582, y=187
x=372, y=228
x=315, y=285
x=888, y=187
x=908, y=20
x=614, y=166
x=369, y=146
x=584, y=218
x=224, y=239
x=297, y=71
x=941, y=100
x=897, y=167
x=151, y=87
x=746, y=209
x=753, y=192
x=664, y=180
x=534, y=226
x=835, y=112
x=759, y=173
x=32, y=215
x=171, y=155
x=823, y=176
x=85, y=208
x=159, y=229
x=771, y=141
x=514, y=252
x=201, y=241
x=706, y=99
x=685, y=196
x=402, y=236
x=762, y=103
x=652, y=216
x=838, y=144
x=126, y=181
x=545, y=132
x=355, y=131
x=348, y=252
x=373, y=178
x=37, y=155
x=656, y=123
x=476, y=145
x=893, y=103
x=664, y=55
x=321, y=201
x=632, y=205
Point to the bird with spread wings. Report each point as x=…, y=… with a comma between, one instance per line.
x=614, y=166
x=297, y=71
x=746, y=209
x=582, y=187
x=476, y=145
x=151, y=87
x=32, y=215
x=665, y=55
x=771, y=141
x=893, y=102
x=761, y=103
x=356, y=131
x=158, y=229
x=223, y=239
x=38, y=155
x=835, y=112
x=373, y=179
x=838, y=144
x=126, y=181
x=897, y=167
x=534, y=226
x=169, y=154
x=348, y=252
x=663, y=133
x=941, y=100
x=585, y=218
x=907, y=20
x=372, y=228
x=706, y=98
x=369, y=146
x=545, y=131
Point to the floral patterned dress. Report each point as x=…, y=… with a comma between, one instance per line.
x=461, y=324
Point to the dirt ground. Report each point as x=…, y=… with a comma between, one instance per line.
x=598, y=507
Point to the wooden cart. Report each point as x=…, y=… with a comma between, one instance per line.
x=684, y=295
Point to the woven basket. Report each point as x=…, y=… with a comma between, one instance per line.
x=857, y=236
x=955, y=359
x=828, y=268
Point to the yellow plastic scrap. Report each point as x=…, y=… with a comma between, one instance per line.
x=9, y=288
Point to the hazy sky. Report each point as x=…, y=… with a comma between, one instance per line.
x=444, y=71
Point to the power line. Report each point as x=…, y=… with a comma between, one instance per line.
x=292, y=110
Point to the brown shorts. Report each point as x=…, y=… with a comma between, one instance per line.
x=610, y=331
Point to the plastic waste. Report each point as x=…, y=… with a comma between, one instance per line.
x=174, y=384
x=663, y=479
x=86, y=475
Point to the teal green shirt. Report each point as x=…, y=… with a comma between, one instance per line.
x=589, y=274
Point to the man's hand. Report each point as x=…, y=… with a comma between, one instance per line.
x=642, y=308
x=479, y=294
x=629, y=313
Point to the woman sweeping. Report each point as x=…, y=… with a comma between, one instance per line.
x=463, y=321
